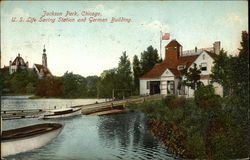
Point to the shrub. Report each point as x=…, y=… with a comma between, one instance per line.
x=205, y=97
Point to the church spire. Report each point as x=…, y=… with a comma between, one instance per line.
x=44, y=50
x=44, y=58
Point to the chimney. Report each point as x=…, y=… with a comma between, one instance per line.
x=18, y=54
x=195, y=49
x=27, y=64
x=10, y=62
x=217, y=47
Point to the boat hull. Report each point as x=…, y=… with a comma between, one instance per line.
x=74, y=113
x=15, y=146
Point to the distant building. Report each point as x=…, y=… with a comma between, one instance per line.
x=18, y=63
x=165, y=78
x=42, y=69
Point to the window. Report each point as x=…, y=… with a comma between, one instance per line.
x=203, y=66
x=148, y=84
x=181, y=67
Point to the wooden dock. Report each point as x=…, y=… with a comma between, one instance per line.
x=110, y=107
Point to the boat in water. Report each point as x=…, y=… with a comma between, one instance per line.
x=61, y=113
x=27, y=138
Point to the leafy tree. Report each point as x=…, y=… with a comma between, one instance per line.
x=74, y=85
x=221, y=70
x=148, y=59
x=4, y=81
x=108, y=81
x=92, y=83
x=50, y=87
x=137, y=73
x=233, y=72
x=242, y=71
x=192, y=77
x=23, y=81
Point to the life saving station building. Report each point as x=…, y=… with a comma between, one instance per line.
x=165, y=77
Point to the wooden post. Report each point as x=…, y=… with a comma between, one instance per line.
x=113, y=94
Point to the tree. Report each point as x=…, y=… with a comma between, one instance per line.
x=148, y=59
x=50, y=87
x=23, y=81
x=137, y=73
x=108, y=82
x=91, y=86
x=221, y=70
x=242, y=72
x=74, y=85
x=192, y=77
x=232, y=71
x=124, y=73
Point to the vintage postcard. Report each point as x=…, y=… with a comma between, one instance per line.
x=131, y=80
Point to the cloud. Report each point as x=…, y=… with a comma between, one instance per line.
x=155, y=25
x=101, y=8
x=230, y=18
x=18, y=12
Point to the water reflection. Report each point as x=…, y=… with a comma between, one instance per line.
x=122, y=136
x=130, y=135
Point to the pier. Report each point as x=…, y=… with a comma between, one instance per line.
x=99, y=109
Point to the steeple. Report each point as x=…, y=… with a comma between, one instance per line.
x=44, y=58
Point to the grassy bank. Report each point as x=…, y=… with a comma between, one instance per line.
x=210, y=128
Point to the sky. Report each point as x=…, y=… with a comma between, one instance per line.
x=90, y=48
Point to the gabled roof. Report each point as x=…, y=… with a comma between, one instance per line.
x=187, y=60
x=43, y=70
x=175, y=71
x=19, y=62
x=173, y=43
x=156, y=71
x=159, y=68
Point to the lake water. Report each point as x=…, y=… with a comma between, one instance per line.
x=111, y=137
x=23, y=102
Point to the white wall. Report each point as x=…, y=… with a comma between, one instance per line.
x=218, y=89
x=208, y=59
x=167, y=75
x=143, y=85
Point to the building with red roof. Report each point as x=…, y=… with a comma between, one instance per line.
x=42, y=69
x=18, y=63
x=165, y=77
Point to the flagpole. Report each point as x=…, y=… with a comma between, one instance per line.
x=160, y=43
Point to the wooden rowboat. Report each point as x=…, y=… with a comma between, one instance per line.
x=60, y=113
x=27, y=138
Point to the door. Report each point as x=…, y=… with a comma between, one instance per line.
x=154, y=87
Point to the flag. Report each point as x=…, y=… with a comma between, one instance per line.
x=166, y=36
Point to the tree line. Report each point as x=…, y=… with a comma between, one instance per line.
x=118, y=82
x=229, y=71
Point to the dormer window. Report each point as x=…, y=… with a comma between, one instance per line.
x=203, y=66
x=181, y=67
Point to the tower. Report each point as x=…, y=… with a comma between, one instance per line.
x=172, y=52
x=44, y=59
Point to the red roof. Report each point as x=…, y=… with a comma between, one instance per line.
x=42, y=69
x=158, y=69
x=19, y=62
x=173, y=43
